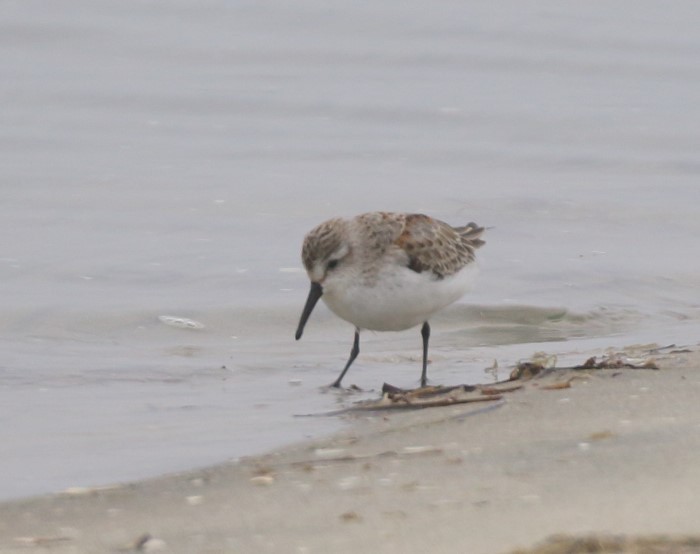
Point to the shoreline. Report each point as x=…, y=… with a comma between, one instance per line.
x=616, y=452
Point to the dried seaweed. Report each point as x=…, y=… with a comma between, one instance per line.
x=607, y=544
x=529, y=370
x=542, y=365
x=615, y=362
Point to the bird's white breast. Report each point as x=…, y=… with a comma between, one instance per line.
x=397, y=299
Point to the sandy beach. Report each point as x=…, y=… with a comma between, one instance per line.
x=602, y=452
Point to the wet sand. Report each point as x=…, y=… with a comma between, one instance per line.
x=617, y=452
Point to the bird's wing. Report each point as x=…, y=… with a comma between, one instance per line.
x=432, y=245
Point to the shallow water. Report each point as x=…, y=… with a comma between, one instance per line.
x=165, y=160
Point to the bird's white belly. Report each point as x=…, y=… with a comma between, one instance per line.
x=398, y=300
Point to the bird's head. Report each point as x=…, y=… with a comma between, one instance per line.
x=324, y=253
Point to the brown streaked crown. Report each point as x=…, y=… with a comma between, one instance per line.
x=321, y=242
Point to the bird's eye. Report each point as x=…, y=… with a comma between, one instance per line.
x=332, y=264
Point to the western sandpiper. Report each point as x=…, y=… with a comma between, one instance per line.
x=388, y=272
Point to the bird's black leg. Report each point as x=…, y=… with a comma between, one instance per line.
x=425, y=333
x=353, y=354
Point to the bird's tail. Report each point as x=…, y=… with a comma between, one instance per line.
x=471, y=233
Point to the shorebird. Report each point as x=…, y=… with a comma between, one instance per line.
x=388, y=272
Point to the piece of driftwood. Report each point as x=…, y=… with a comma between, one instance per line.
x=407, y=404
x=395, y=398
x=423, y=392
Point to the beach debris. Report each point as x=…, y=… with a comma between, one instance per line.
x=195, y=499
x=395, y=398
x=601, y=435
x=539, y=362
x=525, y=371
x=615, y=544
x=329, y=452
x=154, y=545
x=680, y=351
x=83, y=491
x=542, y=359
x=350, y=517
x=498, y=390
x=539, y=366
x=493, y=371
x=41, y=541
x=616, y=361
x=428, y=449
x=437, y=395
x=140, y=541
x=77, y=491
x=653, y=349
x=263, y=476
x=426, y=397
x=262, y=480
x=146, y=543
x=180, y=322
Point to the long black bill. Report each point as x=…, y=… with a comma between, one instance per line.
x=315, y=292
